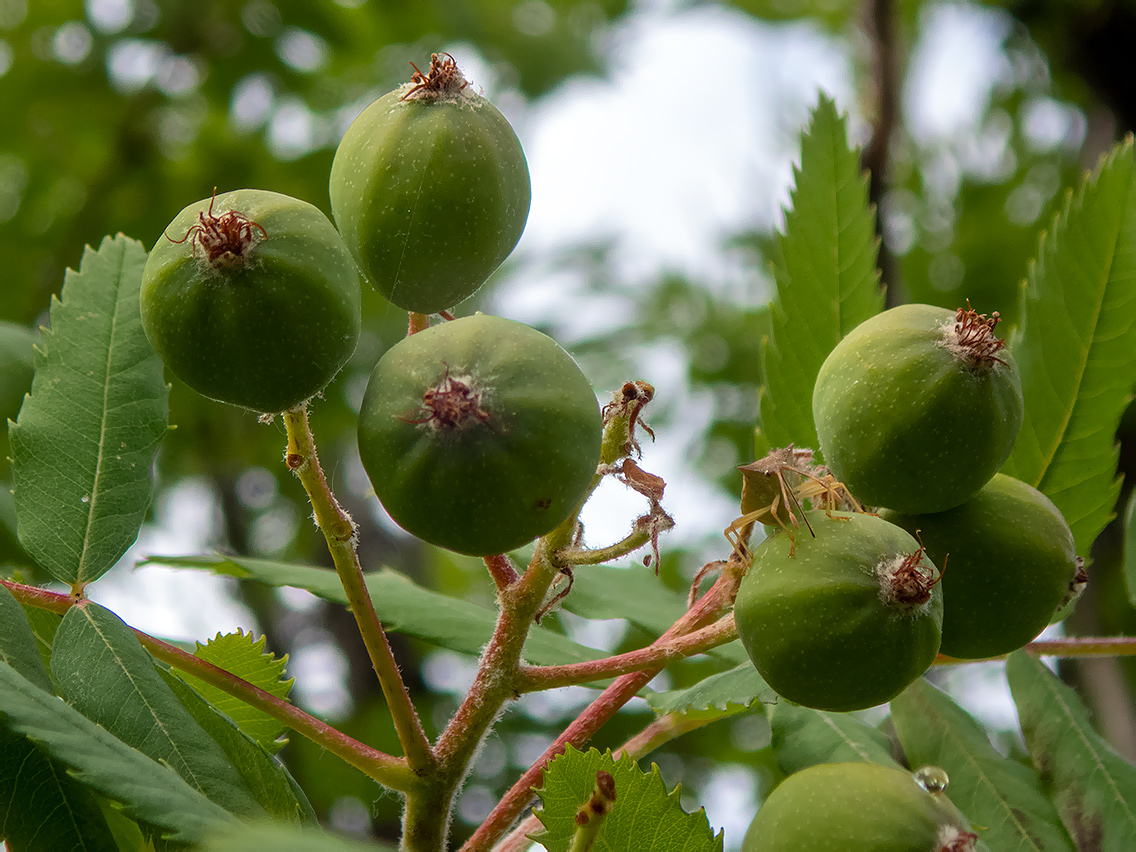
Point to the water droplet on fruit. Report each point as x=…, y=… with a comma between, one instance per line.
x=931, y=778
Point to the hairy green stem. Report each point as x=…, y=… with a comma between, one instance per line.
x=339, y=531
x=390, y=771
x=534, y=678
x=597, y=556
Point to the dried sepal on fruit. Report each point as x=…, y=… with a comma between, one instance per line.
x=479, y=434
x=257, y=303
x=848, y=620
x=918, y=407
x=430, y=189
x=1013, y=564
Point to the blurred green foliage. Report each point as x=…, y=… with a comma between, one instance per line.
x=117, y=113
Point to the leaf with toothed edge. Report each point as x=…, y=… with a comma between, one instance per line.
x=1074, y=348
x=645, y=816
x=1093, y=787
x=84, y=443
x=826, y=276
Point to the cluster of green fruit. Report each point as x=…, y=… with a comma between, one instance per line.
x=916, y=410
x=479, y=434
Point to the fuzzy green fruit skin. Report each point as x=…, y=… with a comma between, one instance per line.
x=267, y=335
x=904, y=423
x=840, y=807
x=814, y=623
x=430, y=196
x=1012, y=558
x=493, y=485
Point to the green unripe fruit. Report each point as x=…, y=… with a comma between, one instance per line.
x=430, y=190
x=847, y=621
x=479, y=434
x=918, y=407
x=865, y=807
x=252, y=298
x=1011, y=564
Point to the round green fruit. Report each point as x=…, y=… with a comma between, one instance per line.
x=838, y=807
x=1011, y=564
x=479, y=434
x=430, y=190
x=846, y=618
x=252, y=298
x=918, y=407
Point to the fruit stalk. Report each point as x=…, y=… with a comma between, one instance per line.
x=389, y=771
x=339, y=531
x=601, y=710
x=538, y=678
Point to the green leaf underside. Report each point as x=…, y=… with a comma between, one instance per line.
x=243, y=655
x=84, y=443
x=402, y=606
x=42, y=807
x=802, y=737
x=1130, y=548
x=645, y=817
x=1001, y=796
x=1092, y=786
x=148, y=791
x=103, y=671
x=18, y=646
x=265, y=778
x=1074, y=348
x=43, y=625
x=825, y=270
x=283, y=839
x=730, y=691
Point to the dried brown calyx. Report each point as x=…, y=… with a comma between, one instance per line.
x=453, y=403
x=907, y=580
x=226, y=240
x=443, y=80
x=971, y=337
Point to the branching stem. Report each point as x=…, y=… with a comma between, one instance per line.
x=339, y=531
x=536, y=678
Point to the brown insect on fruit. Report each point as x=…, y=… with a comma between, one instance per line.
x=774, y=485
x=225, y=238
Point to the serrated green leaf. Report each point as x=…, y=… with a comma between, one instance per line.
x=1001, y=796
x=1130, y=548
x=802, y=737
x=645, y=817
x=102, y=670
x=42, y=808
x=826, y=276
x=264, y=777
x=1093, y=787
x=730, y=691
x=603, y=591
x=18, y=643
x=1074, y=349
x=281, y=839
x=244, y=656
x=84, y=443
x=147, y=790
x=402, y=605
